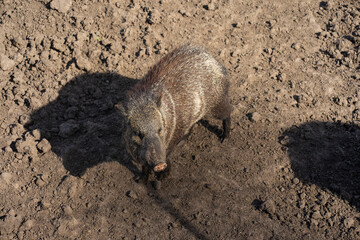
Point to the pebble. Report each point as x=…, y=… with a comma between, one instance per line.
x=36, y=134
x=6, y=63
x=302, y=195
x=211, y=6
x=316, y=215
x=44, y=145
x=19, y=77
x=28, y=224
x=71, y=112
x=323, y=197
x=6, y=177
x=61, y=5
x=295, y=46
x=26, y=146
x=131, y=194
x=45, y=204
x=254, y=117
x=39, y=182
x=268, y=206
x=67, y=210
x=349, y=222
x=58, y=44
x=12, y=212
x=67, y=129
x=83, y=63
x=155, y=16
x=8, y=149
x=23, y=119
x=296, y=181
x=301, y=204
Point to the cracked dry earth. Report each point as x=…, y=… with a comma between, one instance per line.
x=290, y=169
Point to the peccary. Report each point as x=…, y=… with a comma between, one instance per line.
x=185, y=86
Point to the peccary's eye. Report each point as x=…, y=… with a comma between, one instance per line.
x=136, y=139
x=140, y=135
x=160, y=130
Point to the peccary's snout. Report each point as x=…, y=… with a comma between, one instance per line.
x=154, y=153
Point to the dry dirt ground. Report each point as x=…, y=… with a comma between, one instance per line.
x=290, y=170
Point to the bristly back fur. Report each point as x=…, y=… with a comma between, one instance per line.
x=165, y=69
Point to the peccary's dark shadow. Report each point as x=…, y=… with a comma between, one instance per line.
x=84, y=129
x=327, y=154
x=82, y=125
x=212, y=128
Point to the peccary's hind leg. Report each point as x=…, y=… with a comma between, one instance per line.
x=222, y=112
x=226, y=129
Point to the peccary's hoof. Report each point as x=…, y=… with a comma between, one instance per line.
x=146, y=171
x=226, y=129
x=157, y=184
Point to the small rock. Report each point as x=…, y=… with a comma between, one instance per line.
x=131, y=194
x=296, y=181
x=210, y=6
x=6, y=63
x=323, y=197
x=295, y=46
x=26, y=146
x=268, y=206
x=71, y=112
x=36, y=133
x=6, y=177
x=301, y=204
x=61, y=5
x=45, y=204
x=12, y=212
x=82, y=36
x=73, y=189
x=44, y=145
x=28, y=224
x=67, y=210
x=254, y=117
x=58, y=44
x=314, y=222
x=302, y=195
x=281, y=77
x=19, y=77
x=8, y=149
x=154, y=16
x=23, y=119
x=349, y=222
x=68, y=128
x=316, y=215
x=39, y=182
x=83, y=63
x=286, y=141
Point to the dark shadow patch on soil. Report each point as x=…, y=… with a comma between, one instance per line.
x=84, y=129
x=82, y=125
x=326, y=154
x=166, y=204
x=212, y=128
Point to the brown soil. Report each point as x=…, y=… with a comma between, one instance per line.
x=290, y=169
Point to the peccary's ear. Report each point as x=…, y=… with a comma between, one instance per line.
x=158, y=99
x=120, y=107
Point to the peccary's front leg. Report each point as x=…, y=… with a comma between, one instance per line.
x=226, y=129
x=146, y=171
